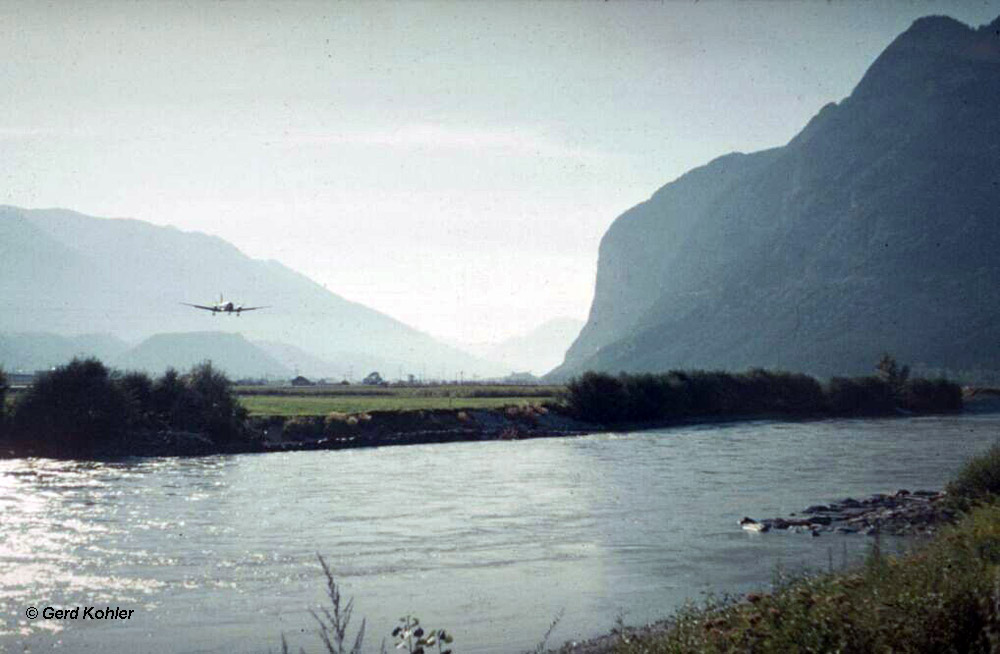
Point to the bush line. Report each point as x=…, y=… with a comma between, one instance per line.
x=615, y=399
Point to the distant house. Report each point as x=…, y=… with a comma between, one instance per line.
x=301, y=381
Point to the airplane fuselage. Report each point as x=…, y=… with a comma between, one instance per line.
x=224, y=307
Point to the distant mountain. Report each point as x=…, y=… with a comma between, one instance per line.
x=66, y=273
x=538, y=351
x=41, y=351
x=230, y=353
x=877, y=228
x=345, y=365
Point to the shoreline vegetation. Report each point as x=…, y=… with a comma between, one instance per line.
x=941, y=596
x=944, y=593
x=85, y=410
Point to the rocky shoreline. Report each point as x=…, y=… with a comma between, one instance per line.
x=902, y=513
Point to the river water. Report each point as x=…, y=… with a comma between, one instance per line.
x=490, y=540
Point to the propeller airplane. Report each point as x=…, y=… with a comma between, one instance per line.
x=222, y=306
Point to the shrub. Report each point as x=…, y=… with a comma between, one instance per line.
x=597, y=397
x=170, y=402
x=137, y=390
x=82, y=407
x=72, y=410
x=979, y=478
x=602, y=398
x=650, y=397
x=860, y=396
x=781, y=392
x=924, y=396
x=214, y=407
x=709, y=393
x=942, y=598
x=891, y=373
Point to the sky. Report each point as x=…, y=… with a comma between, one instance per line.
x=453, y=165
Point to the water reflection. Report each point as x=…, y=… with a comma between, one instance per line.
x=490, y=539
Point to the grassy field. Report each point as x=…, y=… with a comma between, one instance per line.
x=321, y=400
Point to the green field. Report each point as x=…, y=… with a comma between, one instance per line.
x=321, y=400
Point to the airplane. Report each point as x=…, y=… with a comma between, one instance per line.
x=222, y=306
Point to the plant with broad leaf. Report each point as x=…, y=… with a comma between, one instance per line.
x=413, y=638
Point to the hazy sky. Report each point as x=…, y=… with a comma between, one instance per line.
x=451, y=164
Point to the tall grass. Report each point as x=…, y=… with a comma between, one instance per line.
x=944, y=598
x=334, y=622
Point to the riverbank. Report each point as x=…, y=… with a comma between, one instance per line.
x=393, y=428
x=942, y=596
x=85, y=410
x=386, y=428
x=334, y=432
x=902, y=513
x=631, y=523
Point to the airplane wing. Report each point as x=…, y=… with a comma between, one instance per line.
x=254, y=308
x=198, y=306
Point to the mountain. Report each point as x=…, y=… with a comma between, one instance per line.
x=344, y=365
x=231, y=353
x=538, y=351
x=66, y=273
x=875, y=229
x=41, y=351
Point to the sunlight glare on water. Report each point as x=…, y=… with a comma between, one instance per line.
x=487, y=539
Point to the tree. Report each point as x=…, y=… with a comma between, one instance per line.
x=72, y=410
x=373, y=379
x=168, y=400
x=137, y=389
x=215, y=409
x=890, y=372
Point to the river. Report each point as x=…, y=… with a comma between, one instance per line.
x=490, y=540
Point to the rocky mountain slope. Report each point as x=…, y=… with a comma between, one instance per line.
x=877, y=228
